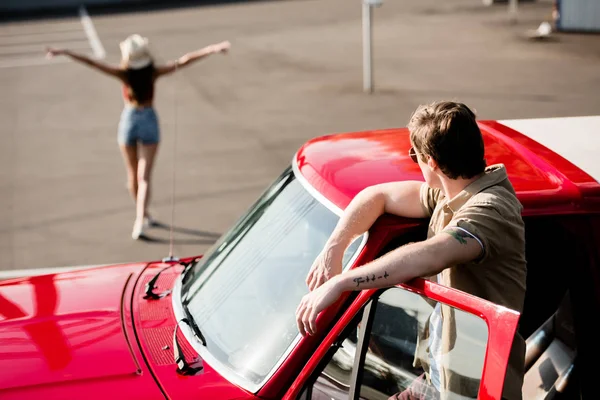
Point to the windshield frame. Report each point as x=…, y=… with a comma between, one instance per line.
x=222, y=369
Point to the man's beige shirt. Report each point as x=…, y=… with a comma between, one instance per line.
x=489, y=209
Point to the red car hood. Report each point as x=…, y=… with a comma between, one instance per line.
x=64, y=328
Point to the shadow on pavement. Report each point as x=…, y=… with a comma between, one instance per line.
x=202, y=237
x=187, y=231
x=152, y=239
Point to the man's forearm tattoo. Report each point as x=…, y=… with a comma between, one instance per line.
x=370, y=278
x=458, y=234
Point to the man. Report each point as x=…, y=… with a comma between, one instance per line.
x=475, y=241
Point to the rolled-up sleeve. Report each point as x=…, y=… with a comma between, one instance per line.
x=487, y=224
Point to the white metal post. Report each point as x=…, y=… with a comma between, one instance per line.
x=367, y=47
x=512, y=10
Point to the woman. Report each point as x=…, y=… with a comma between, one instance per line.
x=139, y=133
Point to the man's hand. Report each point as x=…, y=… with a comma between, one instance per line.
x=327, y=265
x=315, y=302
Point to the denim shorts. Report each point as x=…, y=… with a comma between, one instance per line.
x=138, y=125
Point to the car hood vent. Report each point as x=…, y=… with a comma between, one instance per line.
x=158, y=322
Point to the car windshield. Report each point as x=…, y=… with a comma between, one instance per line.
x=245, y=290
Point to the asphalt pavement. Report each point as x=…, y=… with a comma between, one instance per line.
x=230, y=124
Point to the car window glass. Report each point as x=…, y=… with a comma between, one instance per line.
x=244, y=297
x=399, y=353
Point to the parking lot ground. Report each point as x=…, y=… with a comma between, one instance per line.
x=230, y=124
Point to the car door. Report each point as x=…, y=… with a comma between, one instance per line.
x=380, y=347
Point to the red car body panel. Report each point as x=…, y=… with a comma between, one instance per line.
x=54, y=335
x=60, y=341
x=340, y=166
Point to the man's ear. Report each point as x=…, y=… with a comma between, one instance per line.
x=432, y=164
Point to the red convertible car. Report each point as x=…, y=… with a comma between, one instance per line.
x=222, y=325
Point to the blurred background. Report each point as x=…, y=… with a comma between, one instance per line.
x=231, y=124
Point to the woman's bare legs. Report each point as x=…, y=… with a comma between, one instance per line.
x=130, y=157
x=146, y=155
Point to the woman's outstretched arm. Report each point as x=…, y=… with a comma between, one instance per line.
x=97, y=65
x=193, y=56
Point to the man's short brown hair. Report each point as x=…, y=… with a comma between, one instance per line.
x=447, y=132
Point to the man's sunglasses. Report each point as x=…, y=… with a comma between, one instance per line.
x=413, y=155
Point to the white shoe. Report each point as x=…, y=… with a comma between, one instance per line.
x=138, y=230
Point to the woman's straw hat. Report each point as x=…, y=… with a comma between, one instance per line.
x=135, y=52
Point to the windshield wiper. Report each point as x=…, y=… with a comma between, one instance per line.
x=188, y=267
x=149, y=290
x=183, y=367
x=150, y=286
x=192, y=324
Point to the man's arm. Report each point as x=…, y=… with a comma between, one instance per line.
x=398, y=198
x=450, y=247
x=83, y=59
x=192, y=57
